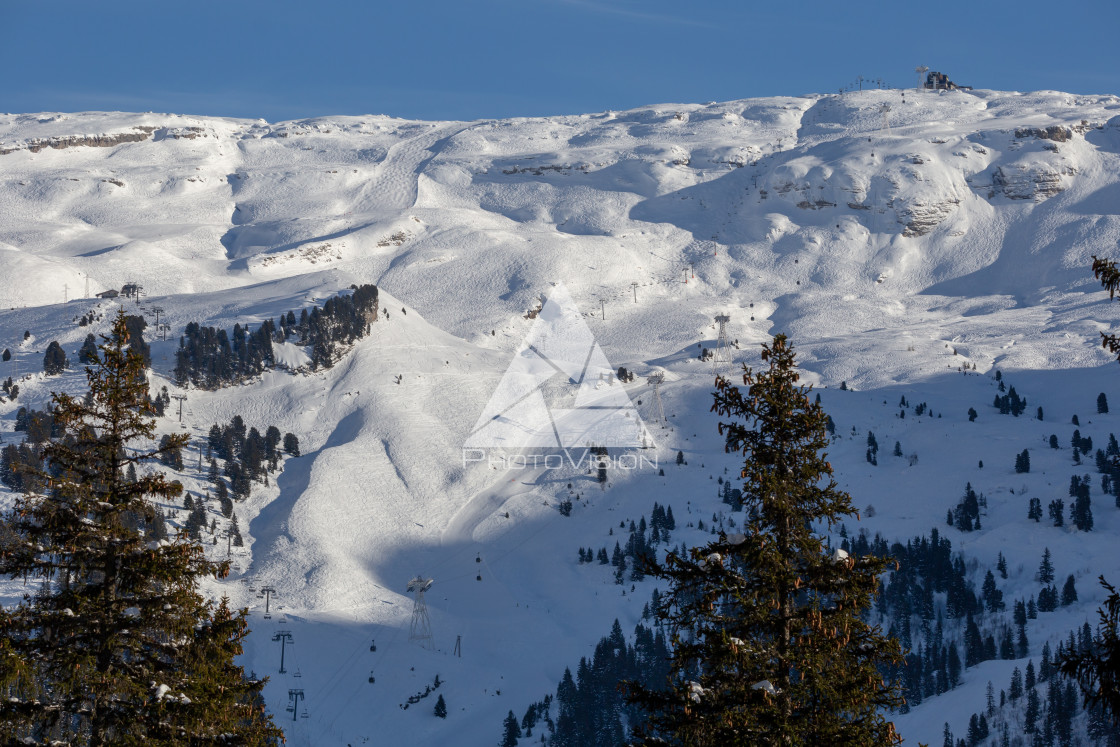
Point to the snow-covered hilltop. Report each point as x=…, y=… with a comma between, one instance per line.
x=897, y=237
x=809, y=205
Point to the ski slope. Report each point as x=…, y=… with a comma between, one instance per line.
x=893, y=251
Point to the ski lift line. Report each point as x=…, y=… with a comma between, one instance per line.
x=357, y=690
x=340, y=676
x=333, y=681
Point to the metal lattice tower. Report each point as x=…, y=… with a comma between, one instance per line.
x=421, y=628
x=721, y=355
x=920, y=70
x=885, y=110
x=656, y=380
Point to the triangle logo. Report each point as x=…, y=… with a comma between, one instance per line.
x=559, y=390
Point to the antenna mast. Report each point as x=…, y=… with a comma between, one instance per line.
x=421, y=627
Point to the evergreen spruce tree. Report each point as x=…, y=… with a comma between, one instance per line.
x=54, y=361
x=953, y=667
x=1046, y=567
x=1030, y=718
x=769, y=643
x=1069, y=592
x=1081, y=512
x=116, y=646
x=1015, y=691
x=88, y=352
x=291, y=444
x=1097, y=668
x=511, y=731
x=993, y=597
x=441, y=707
x=1102, y=403
x=1034, y=509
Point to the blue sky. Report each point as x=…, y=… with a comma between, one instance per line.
x=500, y=58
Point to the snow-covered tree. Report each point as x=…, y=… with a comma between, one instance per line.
x=116, y=645
x=769, y=642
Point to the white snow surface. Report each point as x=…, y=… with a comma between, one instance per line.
x=891, y=257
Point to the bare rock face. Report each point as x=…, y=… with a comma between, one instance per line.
x=1034, y=182
x=919, y=218
x=1057, y=133
x=35, y=145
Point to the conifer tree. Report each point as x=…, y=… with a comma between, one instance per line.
x=116, y=646
x=769, y=646
x=511, y=731
x=1081, y=512
x=88, y=352
x=1030, y=718
x=1046, y=567
x=1097, y=667
x=1015, y=691
x=1069, y=592
x=54, y=361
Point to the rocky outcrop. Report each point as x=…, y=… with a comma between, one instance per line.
x=919, y=218
x=1057, y=133
x=35, y=145
x=180, y=133
x=1028, y=182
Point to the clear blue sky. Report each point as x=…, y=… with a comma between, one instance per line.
x=500, y=58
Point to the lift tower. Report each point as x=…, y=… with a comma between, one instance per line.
x=421, y=628
x=721, y=356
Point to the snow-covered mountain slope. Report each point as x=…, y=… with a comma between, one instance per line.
x=895, y=247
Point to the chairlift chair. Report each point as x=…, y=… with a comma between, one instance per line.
x=373, y=644
x=372, y=679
